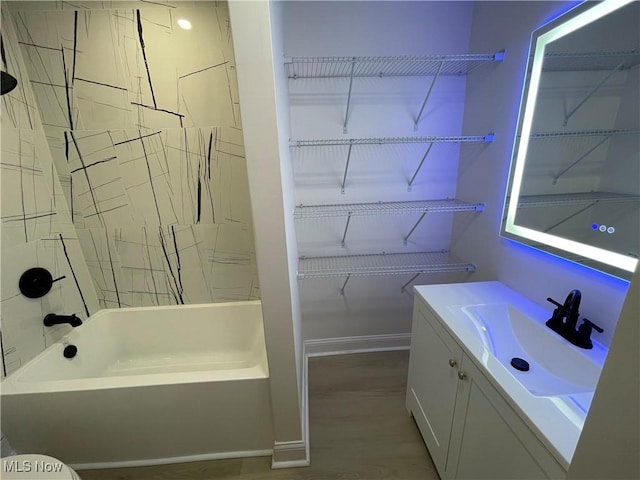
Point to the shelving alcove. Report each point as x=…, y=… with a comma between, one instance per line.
x=386, y=263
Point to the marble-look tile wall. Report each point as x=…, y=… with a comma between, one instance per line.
x=128, y=100
x=35, y=226
x=141, y=121
x=159, y=217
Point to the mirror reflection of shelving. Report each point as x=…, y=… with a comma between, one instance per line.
x=580, y=161
x=582, y=164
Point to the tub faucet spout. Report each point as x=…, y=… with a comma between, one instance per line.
x=53, y=319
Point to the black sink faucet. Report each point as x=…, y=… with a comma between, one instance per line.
x=565, y=319
x=571, y=308
x=53, y=319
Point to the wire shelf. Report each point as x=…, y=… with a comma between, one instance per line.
x=584, y=133
x=386, y=66
x=566, y=199
x=386, y=208
x=392, y=140
x=380, y=264
x=590, y=61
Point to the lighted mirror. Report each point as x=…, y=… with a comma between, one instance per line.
x=574, y=187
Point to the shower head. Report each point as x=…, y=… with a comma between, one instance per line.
x=9, y=82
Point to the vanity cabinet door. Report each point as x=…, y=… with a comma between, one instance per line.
x=432, y=382
x=489, y=440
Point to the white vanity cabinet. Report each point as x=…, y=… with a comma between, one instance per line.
x=433, y=383
x=470, y=429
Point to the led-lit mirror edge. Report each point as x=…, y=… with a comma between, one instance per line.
x=612, y=263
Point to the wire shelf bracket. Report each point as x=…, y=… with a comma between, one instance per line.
x=346, y=169
x=406, y=237
x=346, y=113
x=570, y=114
x=344, y=284
x=346, y=227
x=426, y=99
x=386, y=66
x=404, y=286
x=582, y=157
x=569, y=217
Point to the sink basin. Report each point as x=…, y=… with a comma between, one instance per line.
x=556, y=366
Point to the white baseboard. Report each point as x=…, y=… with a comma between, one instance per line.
x=168, y=460
x=305, y=402
x=323, y=347
x=296, y=454
x=290, y=454
x=368, y=343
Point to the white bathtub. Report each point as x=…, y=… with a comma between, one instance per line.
x=148, y=386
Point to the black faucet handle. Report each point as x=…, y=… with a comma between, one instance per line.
x=582, y=338
x=556, y=322
x=588, y=323
x=557, y=304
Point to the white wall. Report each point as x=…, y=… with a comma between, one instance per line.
x=379, y=108
x=263, y=119
x=610, y=440
x=493, y=101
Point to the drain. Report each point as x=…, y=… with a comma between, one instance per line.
x=70, y=351
x=520, y=364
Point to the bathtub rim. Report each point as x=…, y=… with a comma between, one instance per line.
x=12, y=385
x=104, y=311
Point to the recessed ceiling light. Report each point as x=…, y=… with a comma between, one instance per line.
x=184, y=24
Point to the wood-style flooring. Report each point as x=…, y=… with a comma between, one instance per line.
x=359, y=430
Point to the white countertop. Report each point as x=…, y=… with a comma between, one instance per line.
x=557, y=420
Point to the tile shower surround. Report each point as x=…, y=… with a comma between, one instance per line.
x=123, y=166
